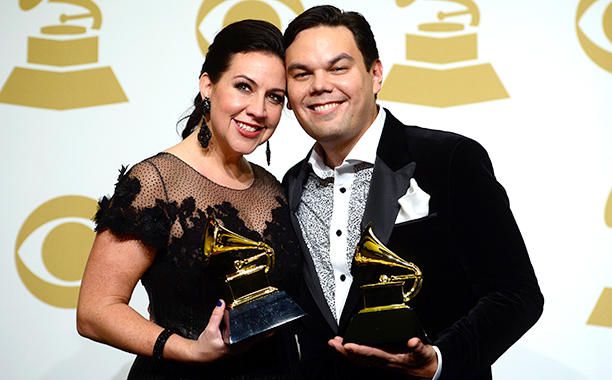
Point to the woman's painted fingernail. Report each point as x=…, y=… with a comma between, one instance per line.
x=219, y=303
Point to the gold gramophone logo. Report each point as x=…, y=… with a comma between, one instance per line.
x=442, y=67
x=231, y=12
x=594, y=47
x=52, y=247
x=602, y=313
x=55, y=77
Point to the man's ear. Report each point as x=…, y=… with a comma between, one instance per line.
x=377, y=76
x=205, y=85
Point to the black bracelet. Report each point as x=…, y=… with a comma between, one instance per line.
x=158, y=348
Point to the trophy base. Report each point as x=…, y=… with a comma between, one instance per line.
x=62, y=90
x=259, y=316
x=392, y=326
x=442, y=88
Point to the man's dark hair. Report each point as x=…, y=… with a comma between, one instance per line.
x=327, y=15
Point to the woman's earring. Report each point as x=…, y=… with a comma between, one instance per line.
x=268, y=152
x=204, y=133
x=205, y=105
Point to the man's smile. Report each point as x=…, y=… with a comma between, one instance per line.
x=324, y=108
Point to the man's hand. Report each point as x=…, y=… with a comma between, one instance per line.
x=418, y=360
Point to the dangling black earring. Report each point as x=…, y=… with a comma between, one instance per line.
x=204, y=133
x=268, y=152
x=205, y=105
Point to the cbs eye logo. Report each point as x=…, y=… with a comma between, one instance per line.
x=52, y=248
x=216, y=14
x=600, y=36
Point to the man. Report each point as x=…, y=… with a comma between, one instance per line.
x=431, y=196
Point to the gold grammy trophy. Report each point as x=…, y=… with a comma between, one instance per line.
x=253, y=306
x=443, y=68
x=60, y=75
x=385, y=319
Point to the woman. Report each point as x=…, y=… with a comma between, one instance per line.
x=152, y=228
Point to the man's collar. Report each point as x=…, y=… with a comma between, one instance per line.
x=363, y=151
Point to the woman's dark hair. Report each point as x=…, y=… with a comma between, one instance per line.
x=239, y=37
x=328, y=15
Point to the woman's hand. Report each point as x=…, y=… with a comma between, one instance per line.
x=114, y=267
x=210, y=345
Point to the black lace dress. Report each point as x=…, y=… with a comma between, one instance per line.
x=164, y=202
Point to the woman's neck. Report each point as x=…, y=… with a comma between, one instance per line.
x=229, y=170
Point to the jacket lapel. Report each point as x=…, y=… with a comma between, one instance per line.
x=386, y=188
x=391, y=176
x=311, y=278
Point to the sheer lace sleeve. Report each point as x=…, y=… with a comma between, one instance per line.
x=139, y=208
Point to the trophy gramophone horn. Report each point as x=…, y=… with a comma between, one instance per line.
x=218, y=240
x=371, y=251
x=26, y=5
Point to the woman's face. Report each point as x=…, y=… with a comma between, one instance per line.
x=246, y=102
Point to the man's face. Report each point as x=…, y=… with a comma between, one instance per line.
x=329, y=88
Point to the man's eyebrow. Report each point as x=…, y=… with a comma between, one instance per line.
x=296, y=66
x=340, y=57
x=331, y=62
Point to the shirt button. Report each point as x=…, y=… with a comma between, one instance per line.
x=338, y=233
x=342, y=277
x=343, y=190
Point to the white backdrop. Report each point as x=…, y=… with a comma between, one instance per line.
x=550, y=141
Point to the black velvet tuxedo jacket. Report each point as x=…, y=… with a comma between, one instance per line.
x=479, y=294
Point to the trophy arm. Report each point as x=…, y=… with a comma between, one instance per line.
x=269, y=252
x=240, y=264
x=471, y=9
x=417, y=276
x=243, y=273
x=94, y=11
